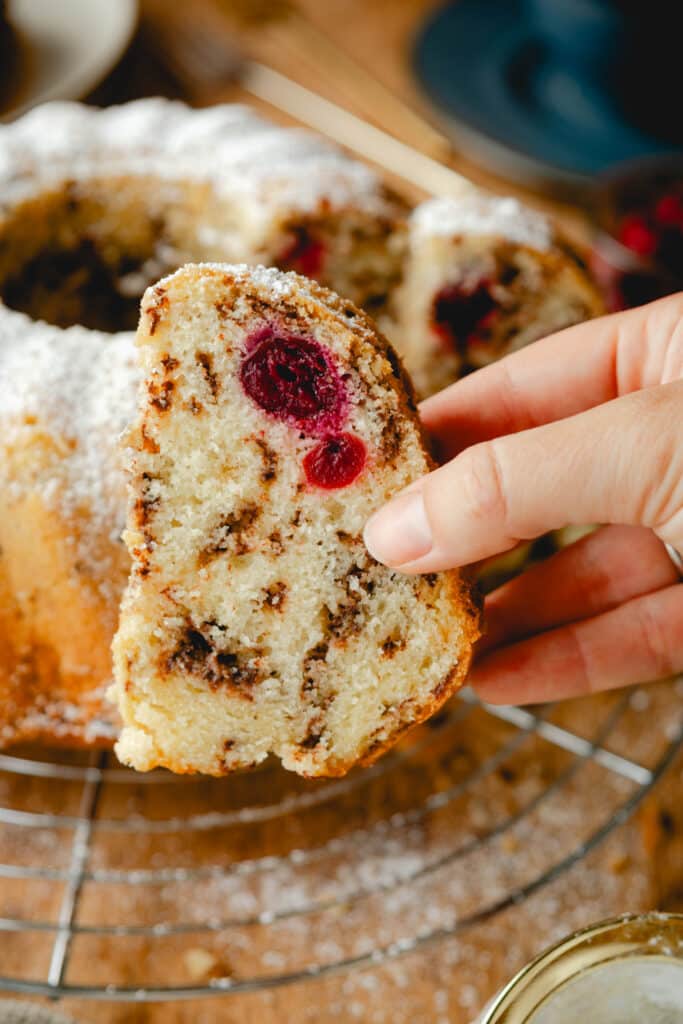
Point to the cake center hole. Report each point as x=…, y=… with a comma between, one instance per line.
x=84, y=256
x=77, y=286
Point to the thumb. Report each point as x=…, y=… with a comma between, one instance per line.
x=621, y=462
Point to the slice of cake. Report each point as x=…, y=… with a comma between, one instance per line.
x=273, y=421
x=484, y=276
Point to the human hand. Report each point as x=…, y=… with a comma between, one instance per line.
x=584, y=426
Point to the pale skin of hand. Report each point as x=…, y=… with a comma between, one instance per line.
x=585, y=426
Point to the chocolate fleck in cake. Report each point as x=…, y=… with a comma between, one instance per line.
x=484, y=276
x=273, y=420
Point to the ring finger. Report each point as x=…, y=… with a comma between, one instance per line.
x=640, y=640
x=597, y=573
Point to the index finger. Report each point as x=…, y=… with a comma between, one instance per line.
x=561, y=375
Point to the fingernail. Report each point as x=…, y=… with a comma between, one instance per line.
x=399, y=533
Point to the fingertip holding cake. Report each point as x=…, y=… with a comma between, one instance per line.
x=273, y=420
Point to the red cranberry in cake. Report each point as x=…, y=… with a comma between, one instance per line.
x=335, y=462
x=255, y=621
x=305, y=255
x=295, y=379
x=463, y=311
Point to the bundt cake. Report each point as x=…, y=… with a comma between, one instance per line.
x=483, y=276
x=96, y=205
x=93, y=206
x=273, y=420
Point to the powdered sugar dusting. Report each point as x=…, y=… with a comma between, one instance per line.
x=63, y=720
x=478, y=213
x=79, y=387
x=630, y=991
x=268, y=282
x=244, y=157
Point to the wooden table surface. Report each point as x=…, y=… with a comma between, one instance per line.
x=639, y=864
x=327, y=47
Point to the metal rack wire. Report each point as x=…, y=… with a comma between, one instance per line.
x=142, y=868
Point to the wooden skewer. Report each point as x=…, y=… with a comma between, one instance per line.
x=368, y=93
x=204, y=62
x=288, y=24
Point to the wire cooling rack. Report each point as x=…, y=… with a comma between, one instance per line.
x=151, y=887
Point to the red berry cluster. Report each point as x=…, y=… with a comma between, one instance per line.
x=295, y=379
x=655, y=230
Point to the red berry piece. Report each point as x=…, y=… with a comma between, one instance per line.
x=669, y=210
x=294, y=379
x=335, y=462
x=460, y=313
x=638, y=236
x=306, y=254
